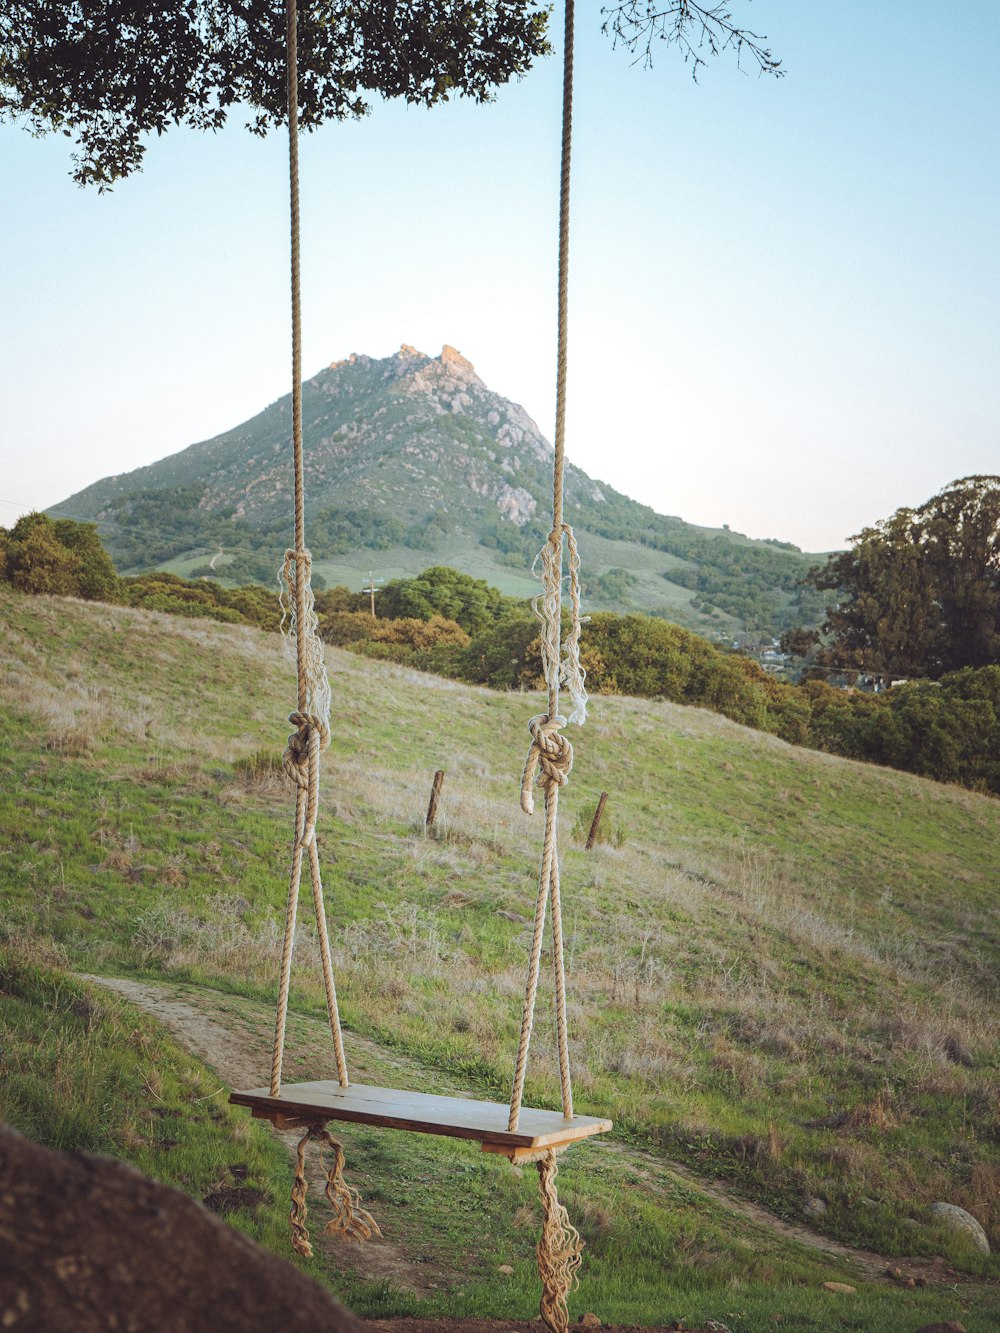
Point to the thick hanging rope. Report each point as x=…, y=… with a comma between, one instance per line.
x=549, y=764
x=550, y=757
x=312, y=716
x=349, y=1219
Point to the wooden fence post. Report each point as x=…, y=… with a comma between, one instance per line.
x=432, y=807
x=598, y=813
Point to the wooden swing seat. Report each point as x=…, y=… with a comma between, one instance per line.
x=420, y=1113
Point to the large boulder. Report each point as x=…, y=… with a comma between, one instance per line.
x=958, y=1220
x=87, y=1244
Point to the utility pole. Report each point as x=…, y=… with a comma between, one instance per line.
x=371, y=589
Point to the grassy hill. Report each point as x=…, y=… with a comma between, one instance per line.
x=783, y=978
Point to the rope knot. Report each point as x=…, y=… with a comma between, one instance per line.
x=550, y=757
x=309, y=730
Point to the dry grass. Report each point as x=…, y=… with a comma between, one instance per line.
x=721, y=974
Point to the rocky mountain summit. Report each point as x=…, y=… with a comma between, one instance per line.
x=415, y=458
x=410, y=433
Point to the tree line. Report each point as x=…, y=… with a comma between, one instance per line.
x=447, y=622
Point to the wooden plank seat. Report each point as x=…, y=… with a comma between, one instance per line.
x=421, y=1113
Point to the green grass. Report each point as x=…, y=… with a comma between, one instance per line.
x=84, y=1071
x=652, y=592
x=783, y=939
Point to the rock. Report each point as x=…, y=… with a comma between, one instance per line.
x=949, y=1326
x=894, y=1272
x=842, y=1287
x=506, y=1269
x=962, y=1223
x=91, y=1244
x=589, y=1320
x=814, y=1208
x=516, y=504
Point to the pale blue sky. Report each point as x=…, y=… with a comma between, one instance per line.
x=785, y=293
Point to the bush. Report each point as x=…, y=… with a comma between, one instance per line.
x=42, y=555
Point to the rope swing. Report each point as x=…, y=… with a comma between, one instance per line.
x=523, y=1134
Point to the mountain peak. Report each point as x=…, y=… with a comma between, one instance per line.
x=414, y=456
x=450, y=356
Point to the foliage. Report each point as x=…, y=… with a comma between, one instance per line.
x=42, y=555
x=441, y=591
x=919, y=593
x=111, y=74
x=454, y=625
x=614, y=586
x=398, y=639
x=160, y=591
x=506, y=655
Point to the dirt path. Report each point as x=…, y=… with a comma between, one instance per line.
x=216, y=1028
x=240, y=1054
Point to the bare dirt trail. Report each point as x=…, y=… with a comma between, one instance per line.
x=240, y=1053
x=216, y=1028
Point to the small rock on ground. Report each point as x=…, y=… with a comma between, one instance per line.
x=843, y=1287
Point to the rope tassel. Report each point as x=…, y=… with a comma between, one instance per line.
x=349, y=1219
x=560, y=1250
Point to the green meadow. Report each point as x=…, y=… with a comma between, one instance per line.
x=782, y=970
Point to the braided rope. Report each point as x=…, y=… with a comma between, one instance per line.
x=311, y=720
x=550, y=757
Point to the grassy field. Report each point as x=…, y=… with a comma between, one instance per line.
x=783, y=976
x=652, y=592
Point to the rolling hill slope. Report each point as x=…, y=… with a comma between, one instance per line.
x=783, y=968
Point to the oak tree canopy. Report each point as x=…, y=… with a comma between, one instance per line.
x=919, y=593
x=108, y=73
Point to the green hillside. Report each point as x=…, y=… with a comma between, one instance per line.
x=783, y=969
x=412, y=460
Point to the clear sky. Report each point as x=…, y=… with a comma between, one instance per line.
x=785, y=294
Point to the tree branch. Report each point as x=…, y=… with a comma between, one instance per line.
x=696, y=30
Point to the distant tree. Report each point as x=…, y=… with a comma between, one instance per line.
x=442, y=591
x=39, y=555
x=799, y=642
x=96, y=579
x=108, y=74
x=919, y=593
